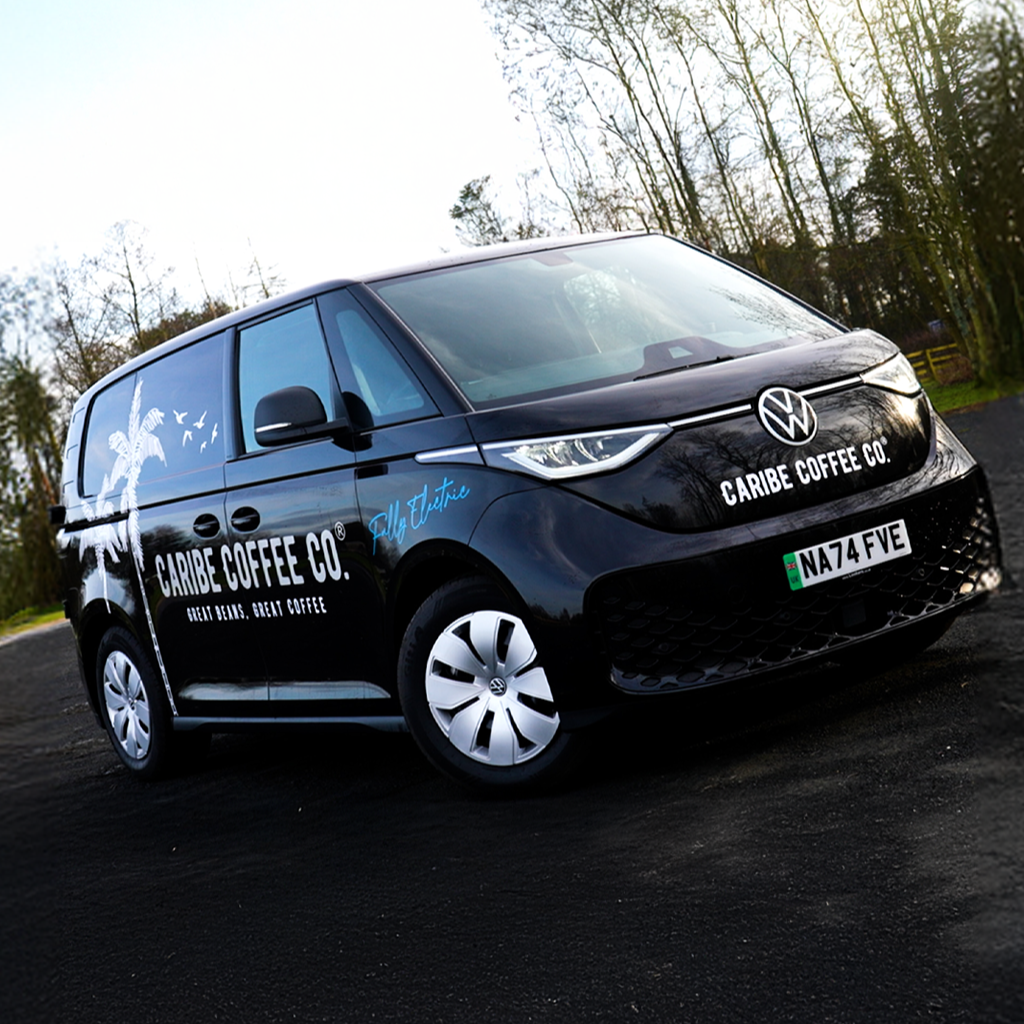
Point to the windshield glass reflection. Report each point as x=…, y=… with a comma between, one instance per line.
x=548, y=323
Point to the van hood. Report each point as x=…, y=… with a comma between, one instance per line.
x=686, y=392
x=720, y=465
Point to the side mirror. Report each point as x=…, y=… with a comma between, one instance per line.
x=292, y=414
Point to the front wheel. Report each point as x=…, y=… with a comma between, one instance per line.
x=475, y=694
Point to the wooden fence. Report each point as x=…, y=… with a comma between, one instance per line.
x=925, y=360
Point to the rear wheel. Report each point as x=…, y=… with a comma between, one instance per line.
x=133, y=706
x=475, y=693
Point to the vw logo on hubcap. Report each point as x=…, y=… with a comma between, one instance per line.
x=498, y=687
x=787, y=416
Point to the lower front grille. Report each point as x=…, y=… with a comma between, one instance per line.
x=691, y=624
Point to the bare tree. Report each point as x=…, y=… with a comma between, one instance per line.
x=835, y=148
x=479, y=222
x=136, y=292
x=85, y=338
x=257, y=283
x=90, y=317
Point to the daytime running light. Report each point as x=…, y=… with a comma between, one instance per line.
x=559, y=458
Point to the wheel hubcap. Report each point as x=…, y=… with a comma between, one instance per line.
x=127, y=704
x=487, y=692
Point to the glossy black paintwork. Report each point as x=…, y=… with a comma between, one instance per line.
x=401, y=527
x=193, y=648
x=690, y=481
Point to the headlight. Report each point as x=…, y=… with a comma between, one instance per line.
x=894, y=374
x=556, y=458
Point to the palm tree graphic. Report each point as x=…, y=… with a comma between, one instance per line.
x=132, y=450
x=103, y=538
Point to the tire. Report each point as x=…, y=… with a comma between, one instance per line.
x=475, y=695
x=133, y=706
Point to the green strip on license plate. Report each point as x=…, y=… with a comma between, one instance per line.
x=855, y=552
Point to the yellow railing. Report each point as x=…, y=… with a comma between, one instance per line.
x=925, y=360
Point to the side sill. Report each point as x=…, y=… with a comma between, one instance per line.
x=382, y=723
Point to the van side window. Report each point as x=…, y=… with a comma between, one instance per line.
x=187, y=388
x=163, y=420
x=108, y=423
x=283, y=352
x=378, y=374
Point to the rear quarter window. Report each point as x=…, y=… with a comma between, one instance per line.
x=108, y=417
x=164, y=419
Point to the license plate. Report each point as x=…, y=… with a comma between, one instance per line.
x=853, y=553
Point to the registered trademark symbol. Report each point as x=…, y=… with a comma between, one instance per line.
x=339, y=531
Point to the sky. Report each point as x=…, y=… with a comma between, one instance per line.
x=332, y=136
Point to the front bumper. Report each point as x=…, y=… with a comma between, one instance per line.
x=730, y=614
x=564, y=555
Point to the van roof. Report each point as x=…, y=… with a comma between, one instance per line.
x=479, y=254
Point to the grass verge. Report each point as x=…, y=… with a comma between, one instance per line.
x=951, y=397
x=29, y=618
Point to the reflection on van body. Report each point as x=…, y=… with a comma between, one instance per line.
x=496, y=498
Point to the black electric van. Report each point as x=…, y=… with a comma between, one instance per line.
x=497, y=496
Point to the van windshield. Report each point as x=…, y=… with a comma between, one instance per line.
x=569, y=319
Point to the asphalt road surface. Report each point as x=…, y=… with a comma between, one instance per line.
x=844, y=847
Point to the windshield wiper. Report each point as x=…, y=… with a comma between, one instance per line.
x=680, y=354
x=684, y=366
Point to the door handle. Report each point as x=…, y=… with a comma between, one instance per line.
x=245, y=519
x=206, y=526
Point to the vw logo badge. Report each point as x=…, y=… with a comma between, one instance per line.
x=787, y=416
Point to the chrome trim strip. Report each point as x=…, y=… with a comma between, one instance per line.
x=382, y=723
x=836, y=385
x=468, y=453
x=224, y=691
x=738, y=410
x=707, y=417
x=347, y=689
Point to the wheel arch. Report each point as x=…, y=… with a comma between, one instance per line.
x=96, y=620
x=429, y=567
